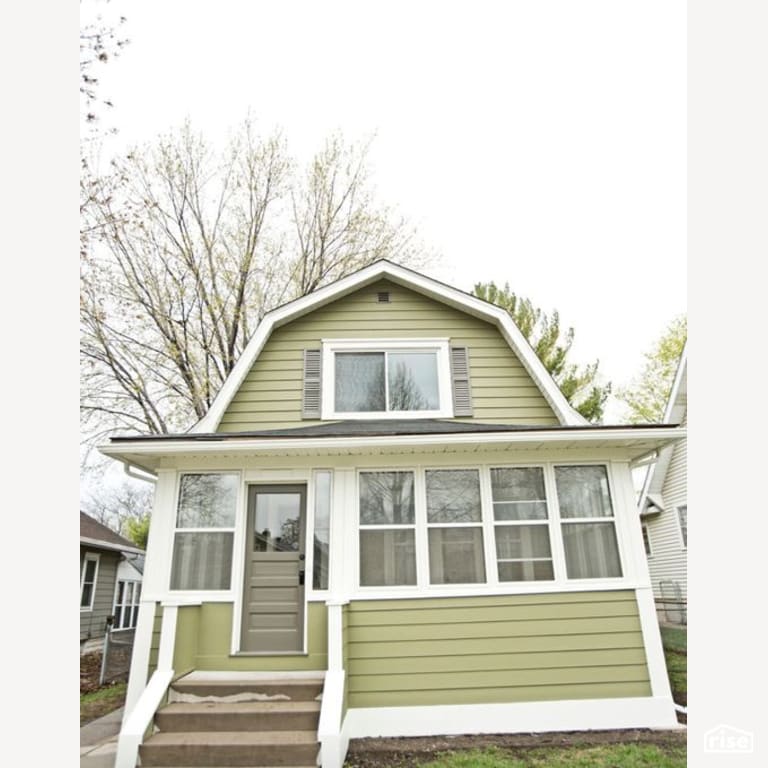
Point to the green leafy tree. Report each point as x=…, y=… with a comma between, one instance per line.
x=647, y=395
x=552, y=344
x=137, y=530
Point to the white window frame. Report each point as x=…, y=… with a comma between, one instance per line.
x=89, y=557
x=492, y=585
x=683, y=537
x=646, y=531
x=209, y=594
x=440, y=346
x=135, y=600
x=547, y=522
x=612, y=497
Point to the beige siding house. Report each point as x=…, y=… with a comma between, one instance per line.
x=390, y=523
x=664, y=512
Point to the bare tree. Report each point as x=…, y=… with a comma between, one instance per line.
x=120, y=507
x=191, y=248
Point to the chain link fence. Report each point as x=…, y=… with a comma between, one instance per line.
x=116, y=655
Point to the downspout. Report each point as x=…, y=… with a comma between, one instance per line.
x=147, y=476
x=642, y=461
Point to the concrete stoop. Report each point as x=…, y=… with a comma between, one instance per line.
x=220, y=722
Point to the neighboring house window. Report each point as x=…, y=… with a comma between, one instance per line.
x=647, y=540
x=454, y=526
x=387, y=529
x=322, y=530
x=370, y=379
x=586, y=513
x=205, y=524
x=521, y=524
x=435, y=527
x=126, y=609
x=88, y=576
x=682, y=516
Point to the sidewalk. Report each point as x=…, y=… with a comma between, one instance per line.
x=98, y=741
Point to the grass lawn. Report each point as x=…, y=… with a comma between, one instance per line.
x=604, y=756
x=675, y=641
x=101, y=702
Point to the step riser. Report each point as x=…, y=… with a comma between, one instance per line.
x=213, y=721
x=251, y=692
x=204, y=755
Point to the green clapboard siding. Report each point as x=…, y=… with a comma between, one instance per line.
x=154, y=647
x=495, y=649
x=270, y=395
x=204, y=636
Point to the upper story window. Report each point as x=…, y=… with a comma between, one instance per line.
x=395, y=378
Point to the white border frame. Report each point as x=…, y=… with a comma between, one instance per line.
x=328, y=376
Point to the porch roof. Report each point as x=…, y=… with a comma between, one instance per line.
x=391, y=436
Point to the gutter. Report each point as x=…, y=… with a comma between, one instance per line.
x=144, y=474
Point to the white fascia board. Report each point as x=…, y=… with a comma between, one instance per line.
x=425, y=285
x=85, y=541
x=608, y=438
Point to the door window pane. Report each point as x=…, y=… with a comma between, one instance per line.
x=412, y=380
x=359, y=381
x=387, y=558
x=277, y=522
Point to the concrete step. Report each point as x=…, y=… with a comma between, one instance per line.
x=227, y=748
x=195, y=687
x=239, y=716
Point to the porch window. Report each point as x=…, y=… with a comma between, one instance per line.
x=521, y=524
x=88, y=580
x=589, y=533
x=454, y=524
x=205, y=521
x=322, y=530
x=126, y=608
x=387, y=529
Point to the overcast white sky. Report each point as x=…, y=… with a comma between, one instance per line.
x=540, y=143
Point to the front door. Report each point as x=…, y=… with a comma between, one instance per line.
x=273, y=596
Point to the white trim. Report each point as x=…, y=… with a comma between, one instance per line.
x=654, y=650
x=634, y=440
x=90, y=557
x=86, y=542
x=422, y=284
x=439, y=346
x=517, y=717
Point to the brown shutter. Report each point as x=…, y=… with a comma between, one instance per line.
x=310, y=406
x=462, y=392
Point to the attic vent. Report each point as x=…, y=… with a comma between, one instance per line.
x=383, y=297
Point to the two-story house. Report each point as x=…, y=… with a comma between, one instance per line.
x=390, y=523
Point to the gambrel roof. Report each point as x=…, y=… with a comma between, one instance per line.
x=415, y=281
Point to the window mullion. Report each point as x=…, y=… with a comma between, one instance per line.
x=489, y=529
x=420, y=519
x=555, y=528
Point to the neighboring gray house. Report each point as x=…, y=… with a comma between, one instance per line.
x=664, y=511
x=110, y=581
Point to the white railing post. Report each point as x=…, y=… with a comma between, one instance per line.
x=333, y=748
x=137, y=720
